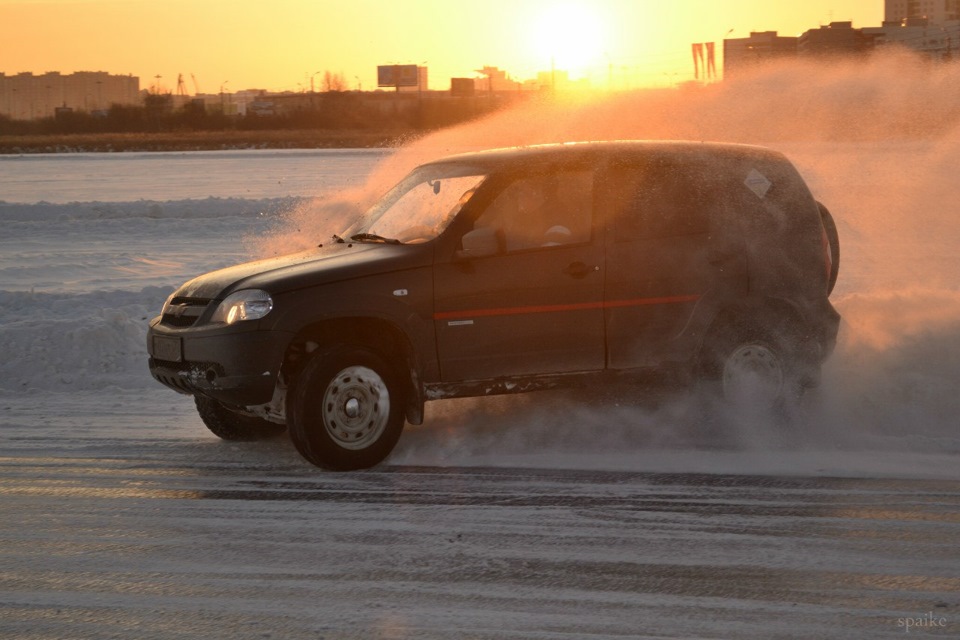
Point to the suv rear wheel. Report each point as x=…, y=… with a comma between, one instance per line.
x=755, y=370
x=346, y=409
x=230, y=425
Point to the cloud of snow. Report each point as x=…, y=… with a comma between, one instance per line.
x=878, y=140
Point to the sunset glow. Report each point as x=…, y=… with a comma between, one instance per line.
x=570, y=36
x=287, y=45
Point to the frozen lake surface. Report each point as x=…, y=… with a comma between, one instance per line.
x=525, y=517
x=118, y=177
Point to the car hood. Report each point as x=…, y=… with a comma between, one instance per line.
x=329, y=263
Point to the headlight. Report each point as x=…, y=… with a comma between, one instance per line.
x=250, y=304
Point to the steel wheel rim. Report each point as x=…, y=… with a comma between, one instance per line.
x=753, y=376
x=356, y=408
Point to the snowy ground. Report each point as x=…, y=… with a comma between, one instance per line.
x=163, y=534
x=541, y=516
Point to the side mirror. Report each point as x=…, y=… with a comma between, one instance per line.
x=480, y=243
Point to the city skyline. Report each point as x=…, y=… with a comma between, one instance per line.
x=288, y=45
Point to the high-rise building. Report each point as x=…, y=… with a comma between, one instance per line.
x=25, y=96
x=935, y=12
x=930, y=27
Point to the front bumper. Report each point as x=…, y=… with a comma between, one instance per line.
x=237, y=366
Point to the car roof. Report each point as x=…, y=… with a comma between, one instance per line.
x=592, y=151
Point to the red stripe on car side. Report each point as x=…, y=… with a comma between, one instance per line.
x=550, y=308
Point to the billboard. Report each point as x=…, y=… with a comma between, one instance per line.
x=397, y=75
x=462, y=87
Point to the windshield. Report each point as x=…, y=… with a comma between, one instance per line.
x=420, y=207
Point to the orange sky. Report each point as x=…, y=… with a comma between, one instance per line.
x=285, y=44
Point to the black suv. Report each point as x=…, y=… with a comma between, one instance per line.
x=512, y=270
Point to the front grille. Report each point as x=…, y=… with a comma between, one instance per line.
x=184, y=312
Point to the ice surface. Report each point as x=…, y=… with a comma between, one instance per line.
x=98, y=177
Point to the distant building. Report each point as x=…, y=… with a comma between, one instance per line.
x=836, y=38
x=25, y=96
x=935, y=12
x=941, y=42
x=760, y=47
x=929, y=27
x=495, y=80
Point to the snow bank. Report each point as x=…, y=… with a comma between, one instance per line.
x=76, y=342
x=79, y=282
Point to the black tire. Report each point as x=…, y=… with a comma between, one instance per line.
x=752, y=369
x=230, y=425
x=833, y=239
x=345, y=411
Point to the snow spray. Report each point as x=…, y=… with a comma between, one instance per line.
x=878, y=141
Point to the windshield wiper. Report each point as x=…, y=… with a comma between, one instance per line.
x=372, y=237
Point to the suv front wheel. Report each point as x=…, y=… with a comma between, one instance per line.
x=230, y=425
x=345, y=409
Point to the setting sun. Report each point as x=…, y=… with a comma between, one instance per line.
x=569, y=36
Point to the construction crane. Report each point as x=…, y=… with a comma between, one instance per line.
x=181, y=86
x=196, y=85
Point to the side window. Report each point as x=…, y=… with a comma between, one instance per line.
x=661, y=198
x=541, y=210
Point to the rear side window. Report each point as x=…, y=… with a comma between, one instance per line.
x=655, y=199
x=545, y=209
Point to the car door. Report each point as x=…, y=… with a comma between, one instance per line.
x=526, y=298
x=658, y=260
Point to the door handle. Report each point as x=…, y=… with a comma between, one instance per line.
x=579, y=270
